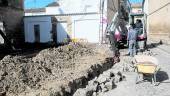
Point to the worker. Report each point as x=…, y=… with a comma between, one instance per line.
x=139, y=29
x=132, y=38
x=138, y=24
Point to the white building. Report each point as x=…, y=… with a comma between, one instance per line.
x=37, y=29
x=79, y=19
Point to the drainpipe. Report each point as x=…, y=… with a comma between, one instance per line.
x=100, y=24
x=102, y=20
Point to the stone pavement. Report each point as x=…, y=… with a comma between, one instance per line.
x=129, y=88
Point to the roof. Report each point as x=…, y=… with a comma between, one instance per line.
x=53, y=4
x=69, y=14
x=34, y=10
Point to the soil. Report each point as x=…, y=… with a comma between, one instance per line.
x=50, y=71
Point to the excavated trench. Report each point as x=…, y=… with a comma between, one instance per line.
x=95, y=70
x=53, y=71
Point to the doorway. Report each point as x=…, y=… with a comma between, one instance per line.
x=37, y=33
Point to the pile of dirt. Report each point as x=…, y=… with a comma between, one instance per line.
x=20, y=73
x=58, y=56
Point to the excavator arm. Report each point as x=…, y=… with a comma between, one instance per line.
x=110, y=30
x=7, y=42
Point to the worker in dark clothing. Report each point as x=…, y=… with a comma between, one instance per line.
x=138, y=23
x=132, y=38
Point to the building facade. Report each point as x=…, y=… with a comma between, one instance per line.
x=158, y=17
x=12, y=17
x=73, y=19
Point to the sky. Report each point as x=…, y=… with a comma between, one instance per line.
x=135, y=1
x=36, y=3
x=42, y=3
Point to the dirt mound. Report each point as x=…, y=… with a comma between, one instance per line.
x=19, y=73
x=59, y=56
x=13, y=77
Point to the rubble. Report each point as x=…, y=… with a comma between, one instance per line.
x=105, y=82
x=52, y=71
x=109, y=79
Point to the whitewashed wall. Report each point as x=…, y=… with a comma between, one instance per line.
x=83, y=26
x=146, y=12
x=45, y=28
x=86, y=27
x=145, y=7
x=33, y=14
x=79, y=6
x=53, y=10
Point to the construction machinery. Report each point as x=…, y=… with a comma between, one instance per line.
x=6, y=44
x=116, y=31
x=122, y=18
x=142, y=34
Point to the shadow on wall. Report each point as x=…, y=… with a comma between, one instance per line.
x=62, y=35
x=61, y=11
x=59, y=31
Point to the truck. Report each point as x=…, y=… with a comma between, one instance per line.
x=142, y=34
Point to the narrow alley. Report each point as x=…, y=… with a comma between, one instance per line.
x=128, y=86
x=84, y=48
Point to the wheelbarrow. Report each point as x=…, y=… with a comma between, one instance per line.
x=147, y=66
